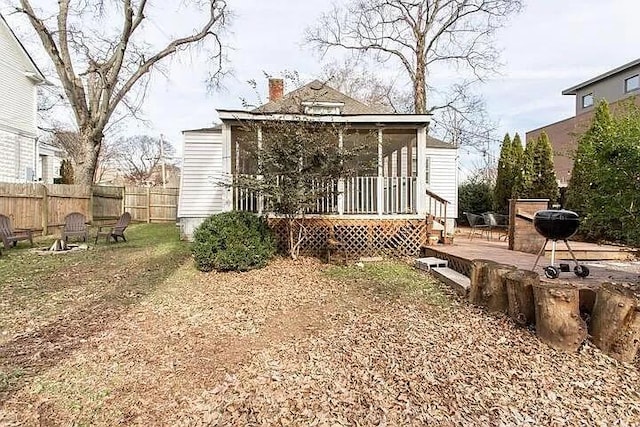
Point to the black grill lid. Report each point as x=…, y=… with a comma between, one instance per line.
x=556, y=224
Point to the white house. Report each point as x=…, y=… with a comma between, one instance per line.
x=413, y=180
x=19, y=78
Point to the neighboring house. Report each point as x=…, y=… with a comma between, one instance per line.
x=414, y=176
x=19, y=78
x=48, y=163
x=613, y=86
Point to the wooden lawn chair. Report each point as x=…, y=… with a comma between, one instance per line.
x=115, y=231
x=10, y=236
x=75, y=225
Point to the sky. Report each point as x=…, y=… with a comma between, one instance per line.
x=549, y=47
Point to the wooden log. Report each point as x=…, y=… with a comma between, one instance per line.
x=558, y=321
x=615, y=321
x=520, y=292
x=494, y=294
x=478, y=279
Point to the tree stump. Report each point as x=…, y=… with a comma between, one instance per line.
x=615, y=321
x=478, y=279
x=520, y=292
x=558, y=321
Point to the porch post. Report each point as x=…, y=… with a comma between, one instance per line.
x=340, y=180
x=260, y=177
x=421, y=181
x=227, y=177
x=380, y=183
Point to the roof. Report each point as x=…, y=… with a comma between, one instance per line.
x=28, y=57
x=316, y=91
x=574, y=89
x=360, y=119
x=214, y=129
x=438, y=143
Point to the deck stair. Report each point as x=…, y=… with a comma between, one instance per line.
x=439, y=268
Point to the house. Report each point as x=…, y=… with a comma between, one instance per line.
x=614, y=86
x=19, y=79
x=410, y=191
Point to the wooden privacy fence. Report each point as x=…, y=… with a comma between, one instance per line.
x=42, y=207
x=151, y=204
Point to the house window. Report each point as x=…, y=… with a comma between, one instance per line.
x=632, y=83
x=587, y=100
x=322, y=108
x=428, y=175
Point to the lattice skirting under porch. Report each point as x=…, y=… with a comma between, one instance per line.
x=359, y=237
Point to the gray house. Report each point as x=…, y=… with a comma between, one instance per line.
x=415, y=178
x=614, y=86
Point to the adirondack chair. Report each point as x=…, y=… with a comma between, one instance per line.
x=115, y=231
x=75, y=225
x=11, y=236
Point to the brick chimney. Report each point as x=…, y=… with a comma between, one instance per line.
x=276, y=89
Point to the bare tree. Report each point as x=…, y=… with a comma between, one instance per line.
x=353, y=78
x=103, y=69
x=138, y=157
x=417, y=34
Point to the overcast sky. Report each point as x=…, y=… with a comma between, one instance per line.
x=550, y=46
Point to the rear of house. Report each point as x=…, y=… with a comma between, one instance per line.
x=413, y=179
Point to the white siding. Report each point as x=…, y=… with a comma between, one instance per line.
x=443, y=176
x=202, y=186
x=17, y=91
x=17, y=157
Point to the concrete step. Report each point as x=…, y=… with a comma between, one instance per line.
x=458, y=282
x=426, y=264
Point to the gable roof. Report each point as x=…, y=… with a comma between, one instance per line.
x=316, y=91
x=574, y=89
x=28, y=59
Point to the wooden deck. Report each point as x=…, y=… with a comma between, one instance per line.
x=463, y=251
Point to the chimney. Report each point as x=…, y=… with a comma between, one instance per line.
x=276, y=89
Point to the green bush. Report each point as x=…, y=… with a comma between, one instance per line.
x=475, y=196
x=232, y=241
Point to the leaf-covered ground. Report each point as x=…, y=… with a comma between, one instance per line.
x=133, y=335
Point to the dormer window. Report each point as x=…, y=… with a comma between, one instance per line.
x=320, y=108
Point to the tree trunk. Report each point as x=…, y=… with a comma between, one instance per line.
x=85, y=165
x=558, y=321
x=520, y=292
x=615, y=323
x=419, y=90
x=478, y=279
x=494, y=294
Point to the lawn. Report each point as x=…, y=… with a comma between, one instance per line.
x=132, y=334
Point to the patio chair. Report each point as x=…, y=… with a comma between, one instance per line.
x=10, y=236
x=115, y=231
x=476, y=222
x=75, y=225
x=496, y=222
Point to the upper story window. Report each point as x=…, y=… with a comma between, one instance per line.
x=632, y=83
x=322, y=108
x=587, y=100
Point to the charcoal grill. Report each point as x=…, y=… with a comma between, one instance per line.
x=557, y=225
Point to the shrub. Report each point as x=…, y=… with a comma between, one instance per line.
x=232, y=241
x=474, y=196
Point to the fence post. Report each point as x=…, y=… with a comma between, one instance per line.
x=45, y=210
x=90, y=210
x=148, y=205
x=123, y=203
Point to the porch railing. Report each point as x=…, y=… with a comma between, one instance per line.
x=352, y=196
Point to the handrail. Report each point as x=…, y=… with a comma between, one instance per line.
x=436, y=197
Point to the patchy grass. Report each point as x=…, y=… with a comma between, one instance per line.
x=393, y=279
x=133, y=334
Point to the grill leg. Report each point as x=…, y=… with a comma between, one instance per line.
x=566, y=242
x=553, y=252
x=540, y=254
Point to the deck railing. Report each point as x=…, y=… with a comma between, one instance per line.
x=350, y=196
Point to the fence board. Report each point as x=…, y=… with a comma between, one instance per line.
x=42, y=207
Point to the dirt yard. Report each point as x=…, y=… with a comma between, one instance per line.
x=132, y=334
